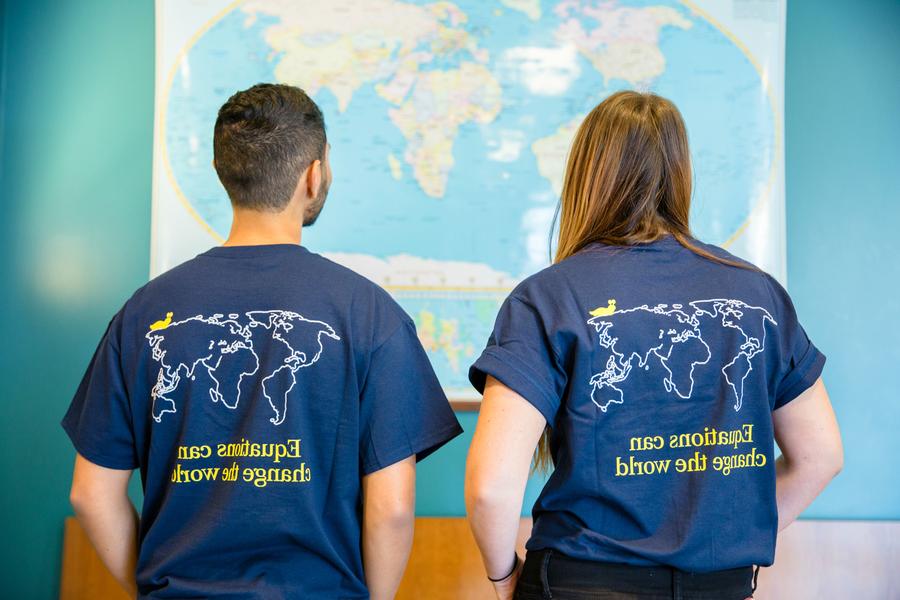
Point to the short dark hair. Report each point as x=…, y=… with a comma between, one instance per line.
x=264, y=137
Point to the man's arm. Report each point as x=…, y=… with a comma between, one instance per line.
x=507, y=433
x=100, y=499
x=807, y=433
x=389, y=512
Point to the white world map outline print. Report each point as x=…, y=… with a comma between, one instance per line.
x=234, y=337
x=619, y=365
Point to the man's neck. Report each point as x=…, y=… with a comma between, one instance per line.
x=254, y=228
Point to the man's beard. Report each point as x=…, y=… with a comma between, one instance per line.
x=315, y=207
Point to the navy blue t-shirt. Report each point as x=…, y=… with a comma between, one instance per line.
x=254, y=387
x=658, y=371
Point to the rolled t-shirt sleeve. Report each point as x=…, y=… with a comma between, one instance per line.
x=801, y=362
x=404, y=411
x=99, y=418
x=519, y=354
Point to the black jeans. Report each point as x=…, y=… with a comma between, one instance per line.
x=549, y=575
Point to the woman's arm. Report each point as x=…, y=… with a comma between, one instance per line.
x=496, y=474
x=100, y=499
x=389, y=512
x=811, y=451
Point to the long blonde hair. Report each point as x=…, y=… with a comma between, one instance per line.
x=627, y=182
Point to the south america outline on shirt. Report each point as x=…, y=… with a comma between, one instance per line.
x=293, y=342
x=679, y=346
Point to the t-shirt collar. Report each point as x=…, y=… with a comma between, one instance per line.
x=254, y=251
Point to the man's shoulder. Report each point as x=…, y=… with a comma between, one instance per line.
x=363, y=289
x=329, y=272
x=361, y=298
x=186, y=274
x=374, y=312
x=181, y=276
x=343, y=274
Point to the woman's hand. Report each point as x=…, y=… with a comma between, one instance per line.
x=507, y=433
x=506, y=588
x=811, y=451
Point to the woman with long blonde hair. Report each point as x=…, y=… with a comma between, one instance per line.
x=653, y=372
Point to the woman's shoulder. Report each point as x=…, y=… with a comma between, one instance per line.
x=547, y=281
x=756, y=271
x=645, y=265
x=718, y=251
x=752, y=277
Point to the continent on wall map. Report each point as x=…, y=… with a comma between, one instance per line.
x=221, y=351
x=667, y=341
x=551, y=152
x=442, y=335
x=623, y=45
x=625, y=42
x=393, y=45
x=429, y=120
x=531, y=8
x=356, y=42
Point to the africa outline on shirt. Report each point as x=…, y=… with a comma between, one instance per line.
x=679, y=345
x=174, y=345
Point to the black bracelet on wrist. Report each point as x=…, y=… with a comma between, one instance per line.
x=511, y=571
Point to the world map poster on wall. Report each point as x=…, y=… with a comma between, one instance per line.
x=450, y=123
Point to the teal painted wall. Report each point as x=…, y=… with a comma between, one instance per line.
x=842, y=126
x=76, y=110
x=75, y=189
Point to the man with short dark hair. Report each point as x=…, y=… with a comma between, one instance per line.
x=274, y=402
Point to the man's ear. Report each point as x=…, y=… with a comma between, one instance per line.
x=313, y=178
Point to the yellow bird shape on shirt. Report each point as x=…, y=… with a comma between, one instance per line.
x=162, y=324
x=604, y=311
